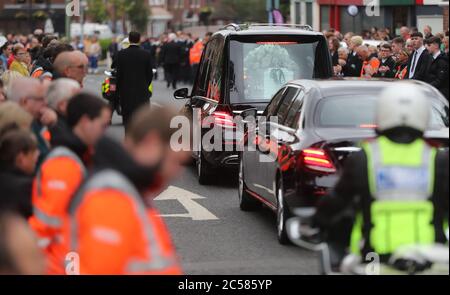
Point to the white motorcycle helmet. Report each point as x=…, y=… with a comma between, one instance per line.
x=403, y=105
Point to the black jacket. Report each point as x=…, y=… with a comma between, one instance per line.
x=171, y=53
x=335, y=58
x=438, y=74
x=15, y=191
x=43, y=146
x=353, y=66
x=352, y=192
x=109, y=154
x=389, y=62
x=422, y=66
x=60, y=132
x=62, y=135
x=134, y=76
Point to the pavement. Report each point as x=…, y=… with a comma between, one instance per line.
x=211, y=235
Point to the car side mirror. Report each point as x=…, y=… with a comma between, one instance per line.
x=182, y=93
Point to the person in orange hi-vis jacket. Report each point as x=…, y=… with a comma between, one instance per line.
x=195, y=53
x=63, y=170
x=113, y=227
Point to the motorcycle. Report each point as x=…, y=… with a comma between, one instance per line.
x=109, y=91
x=411, y=260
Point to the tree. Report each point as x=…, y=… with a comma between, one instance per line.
x=137, y=12
x=97, y=10
x=241, y=11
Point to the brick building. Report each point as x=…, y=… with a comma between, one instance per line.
x=393, y=14
x=23, y=16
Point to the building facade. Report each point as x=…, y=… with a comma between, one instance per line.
x=23, y=16
x=393, y=14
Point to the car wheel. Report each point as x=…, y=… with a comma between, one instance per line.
x=282, y=215
x=246, y=201
x=204, y=169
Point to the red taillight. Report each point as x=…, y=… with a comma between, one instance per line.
x=368, y=126
x=317, y=160
x=223, y=119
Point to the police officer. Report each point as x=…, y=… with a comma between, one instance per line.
x=395, y=191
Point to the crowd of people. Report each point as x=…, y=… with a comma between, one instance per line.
x=377, y=54
x=63, y=182
x=57, y=165
x=178, y=54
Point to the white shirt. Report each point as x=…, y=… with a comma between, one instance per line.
x=416, y=56
x=436, y=54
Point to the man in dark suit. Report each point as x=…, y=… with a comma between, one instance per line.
x=387, y=63
x=170, y=56
x=134, y=76
x=438, y=73
x=354, y=64
x=420, y=60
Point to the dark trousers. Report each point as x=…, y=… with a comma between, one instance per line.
x=171, y=72
x=127, y=113
x=194, y=72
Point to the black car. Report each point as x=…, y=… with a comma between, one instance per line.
x=320, y=123
x=241, y=68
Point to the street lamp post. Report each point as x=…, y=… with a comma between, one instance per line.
x=30, y=9
x=67, y=22
x=83, y=4
x=353, y=12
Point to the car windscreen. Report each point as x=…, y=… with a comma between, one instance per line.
x=358, y=111
x=260, y=66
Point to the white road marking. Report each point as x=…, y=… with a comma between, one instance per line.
x=156, y=104
x=186, y=198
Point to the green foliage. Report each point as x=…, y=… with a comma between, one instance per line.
x=97, y=10
x=242, y=11
x=104, y=43
x=137, y=12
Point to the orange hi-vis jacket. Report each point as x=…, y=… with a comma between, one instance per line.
x=56, y=182
x=374, y=63
x=111, y=231
x=195, y=54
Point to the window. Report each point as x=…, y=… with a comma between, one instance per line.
x=272, y=108
x=358, y=111
x=157, y=2
x=286, y=103
x=260, y=65
x=194, y=3
x=343, y=111
x=294, y=113
x=210, y=77
x=200, y=87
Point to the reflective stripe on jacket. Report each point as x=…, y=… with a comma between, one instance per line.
x=113, y=232
x=401, y=182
